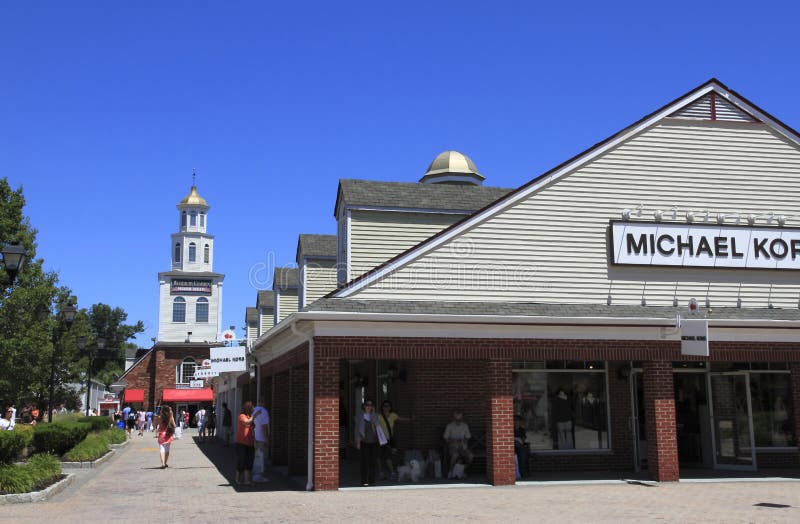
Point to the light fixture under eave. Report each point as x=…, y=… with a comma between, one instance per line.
x=626, y=214
x=720, y=218
x=751, y=219
x=658, y=215
x=690, y=217
x=781, y=220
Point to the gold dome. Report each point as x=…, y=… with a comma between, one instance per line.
x=452, y=167
x=193, y=199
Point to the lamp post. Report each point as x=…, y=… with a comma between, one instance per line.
x=68, y=313
x=13, y=259
x=100, y=345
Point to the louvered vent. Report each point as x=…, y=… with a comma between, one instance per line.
x=713, y=107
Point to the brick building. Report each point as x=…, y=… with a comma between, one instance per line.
x=567, y=302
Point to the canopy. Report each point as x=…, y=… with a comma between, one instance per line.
x=134, y=395
x=188, y=395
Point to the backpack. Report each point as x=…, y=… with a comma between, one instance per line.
x=132, y=416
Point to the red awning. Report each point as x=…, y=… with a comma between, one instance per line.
x=134, y=395
x=188, y=395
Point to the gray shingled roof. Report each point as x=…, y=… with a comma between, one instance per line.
x=251, y=315
x=266, y=299
x=317, y=246
x=430, y=307
x=285, y=277
x=417, y=196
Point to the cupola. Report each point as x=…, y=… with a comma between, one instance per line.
x=452, y=167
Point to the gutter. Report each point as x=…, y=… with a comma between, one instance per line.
x=310, y=446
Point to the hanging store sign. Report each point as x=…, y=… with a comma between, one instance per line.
x=705, y=246
x=182, y=286
x=201, y=373
x=694, y=337
x=196, y=383
x=229, y=359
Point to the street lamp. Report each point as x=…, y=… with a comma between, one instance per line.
x=67, y=313
x=13, y=259
x=100, y=345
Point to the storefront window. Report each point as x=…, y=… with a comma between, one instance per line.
x=771, y=395
x=563, y=410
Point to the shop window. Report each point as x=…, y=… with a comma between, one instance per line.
x=185, y=371
x=563, y=410
x=179, y=309
x=201, y=310
x=206, y=254
x=773, y=417
x=177, y=256
x=192, y=252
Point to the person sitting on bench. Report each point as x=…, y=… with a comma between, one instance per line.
x=457, y=436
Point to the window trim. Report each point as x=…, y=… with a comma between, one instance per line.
x=179, y=300
x=202, y=300
x=192, y=252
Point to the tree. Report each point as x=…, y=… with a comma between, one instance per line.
x=26, y=319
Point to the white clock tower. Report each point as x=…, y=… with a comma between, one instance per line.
x=190, y=295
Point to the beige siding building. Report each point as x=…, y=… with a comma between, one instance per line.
x=316, y=262
x=285, y=288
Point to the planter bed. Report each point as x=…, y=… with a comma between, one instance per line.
x=58, y=485
x=88, y=464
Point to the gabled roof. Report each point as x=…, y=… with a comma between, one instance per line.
x=285, y=277
x=313, y=246
x=713, y=87
x=265, y=299
x=414, y=195
x=251, y=315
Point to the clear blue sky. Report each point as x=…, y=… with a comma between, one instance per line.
x=105, y=108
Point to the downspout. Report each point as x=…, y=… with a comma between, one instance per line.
x=310, y=445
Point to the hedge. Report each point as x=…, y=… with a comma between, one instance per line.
x=96, y=423
x=59, y=437
x=115, y=436
x=37, y=473
x=11, y=445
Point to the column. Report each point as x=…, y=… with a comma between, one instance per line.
x=659, y=413
x=326, y=423
x=795, y=370
x=500, y=434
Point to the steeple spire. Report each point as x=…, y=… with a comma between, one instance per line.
x=194, y=176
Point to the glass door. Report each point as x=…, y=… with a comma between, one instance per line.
x=732, y=421
x=636, y=422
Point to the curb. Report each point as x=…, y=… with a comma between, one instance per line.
x=38, y=496
x=86, y=465
x=119, y=446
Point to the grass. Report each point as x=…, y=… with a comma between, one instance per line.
x=94, y=446
x=39, y=472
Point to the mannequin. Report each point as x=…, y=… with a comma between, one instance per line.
x=563, y=418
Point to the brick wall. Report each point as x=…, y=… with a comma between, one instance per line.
x=500, y=426
x=156, y=371
x=795, y=371
x=279, y=419
x=659, y=408
x=298, y=420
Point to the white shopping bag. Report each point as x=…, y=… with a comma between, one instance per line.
x=178, y=432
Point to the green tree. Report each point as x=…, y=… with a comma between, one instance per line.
x=26, y=319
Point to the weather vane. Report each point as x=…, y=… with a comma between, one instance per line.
x=194, y=175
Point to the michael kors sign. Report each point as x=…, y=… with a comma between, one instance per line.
x=706, y=245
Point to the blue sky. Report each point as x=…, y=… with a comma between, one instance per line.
x=106, y=107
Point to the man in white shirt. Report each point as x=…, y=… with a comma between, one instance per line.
x=12, y=416
x=200, y=418
x=261, y=422
x=457, y=436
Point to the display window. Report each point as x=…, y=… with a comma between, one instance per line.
x=562, y=407
x=771, y=398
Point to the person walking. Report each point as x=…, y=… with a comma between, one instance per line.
x=227, y=422
x=261, y=434
x=164, y=432
x=140, y=422
x=244, y=444
x=200, y=419
x=211, y=422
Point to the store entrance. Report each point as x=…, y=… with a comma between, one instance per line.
x=692, y=419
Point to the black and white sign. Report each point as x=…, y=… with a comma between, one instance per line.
x=694, y=337
x=228, y=359
x=205, y=373
x=710, y=246
x=196, y=384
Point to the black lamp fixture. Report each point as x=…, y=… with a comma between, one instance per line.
x=13, y=259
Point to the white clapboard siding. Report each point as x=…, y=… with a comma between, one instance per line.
x=377, y=236
x=724, y=110
x=551, y=247
x=287, y=303
x=266, y=319
x=320, y=278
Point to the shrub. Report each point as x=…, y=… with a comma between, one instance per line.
x=91, y=448
x=11, y=445
x=96, y=423
x=15, y=479
x=44, y=466
x=58, y=438
x=26, y=431
x=115, y=436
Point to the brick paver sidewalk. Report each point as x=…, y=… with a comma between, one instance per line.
x=132, y=488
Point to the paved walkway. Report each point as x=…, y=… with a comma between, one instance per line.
x=132, y=488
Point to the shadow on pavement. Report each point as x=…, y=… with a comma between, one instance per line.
x=224, y=459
